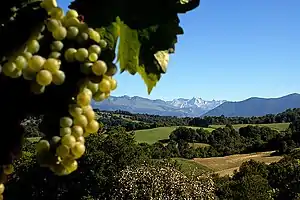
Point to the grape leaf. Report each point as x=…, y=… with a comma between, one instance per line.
x=129, y=49
x=148, y=32
x=162, y=57
x=150, y=79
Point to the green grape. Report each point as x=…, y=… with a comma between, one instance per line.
x=80, y=139
x=65, y=122
x=90, y=115
x=62, y=151
x=93, y=57
x=8, y=68
x=94, y=49
x=70, y=54
x=78, y=149
x=57, y=13
x=113, y=83
x=81, y=38
x=93, y=87
x=27, y=55
x=111, y=70
x=16, y=73
x=37, y=88
x=8, y=169
x=65, y=131
x=104, y=85
x=92, y=127
x=21, y=62
x=48, y=4
x=99, y=96
x=107, y=94
x=87, y=91
x=87, y=108
x=77, y=131
x=81, y=120
x=72, y=32
x=75, y=110
x=52, y=65
x=72, y=13
x=86, y=68
x=36, y=63
x=33, y=46
x=57, y=46
x=99, y=68
x=44, y=77
x=58, y=77
x=95, y=79
x=68, y=140
x=2, y=188
x=81, y=54
x=43, y=145
x=60, y=33
x=94, y=35
x=73, y=21
x=59, y=170
x=83, y=99
x=102, y=44
x=83, y=27
x=70, y=164
x=55, y=55
x=28, y=74
x=53, y=24
x=55, y=140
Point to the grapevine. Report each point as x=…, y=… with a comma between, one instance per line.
x=60, y=64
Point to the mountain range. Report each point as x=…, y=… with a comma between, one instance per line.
x=196, y=107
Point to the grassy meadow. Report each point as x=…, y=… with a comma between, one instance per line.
x=155, y=134
x=276, y=126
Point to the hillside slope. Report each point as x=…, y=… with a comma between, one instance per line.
x=256, y=106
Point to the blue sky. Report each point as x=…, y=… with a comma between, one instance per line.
x=231, y=50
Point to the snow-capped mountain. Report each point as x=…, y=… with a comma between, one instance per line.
x=195, y=102
x=177, y=107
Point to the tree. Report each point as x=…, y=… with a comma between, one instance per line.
x=162, y=182
x=43, y=66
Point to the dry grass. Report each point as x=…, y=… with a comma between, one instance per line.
x=197, y=145
x=226, y=165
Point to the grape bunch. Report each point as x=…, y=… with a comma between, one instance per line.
x=64, y=43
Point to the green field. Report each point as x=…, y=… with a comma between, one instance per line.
x=155, y=134
x=277, y=126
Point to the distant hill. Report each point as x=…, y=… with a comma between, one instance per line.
x=256, y=106
x=180, y=107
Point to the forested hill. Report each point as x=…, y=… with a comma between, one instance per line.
x=256, y=106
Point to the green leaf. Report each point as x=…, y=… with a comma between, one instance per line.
x=129, y=49
x=162, y=57
x=110, y=34
x=150, y=79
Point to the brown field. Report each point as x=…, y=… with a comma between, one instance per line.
x=226, y=165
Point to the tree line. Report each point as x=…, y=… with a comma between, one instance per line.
x=225, y=141
x=131, y=121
